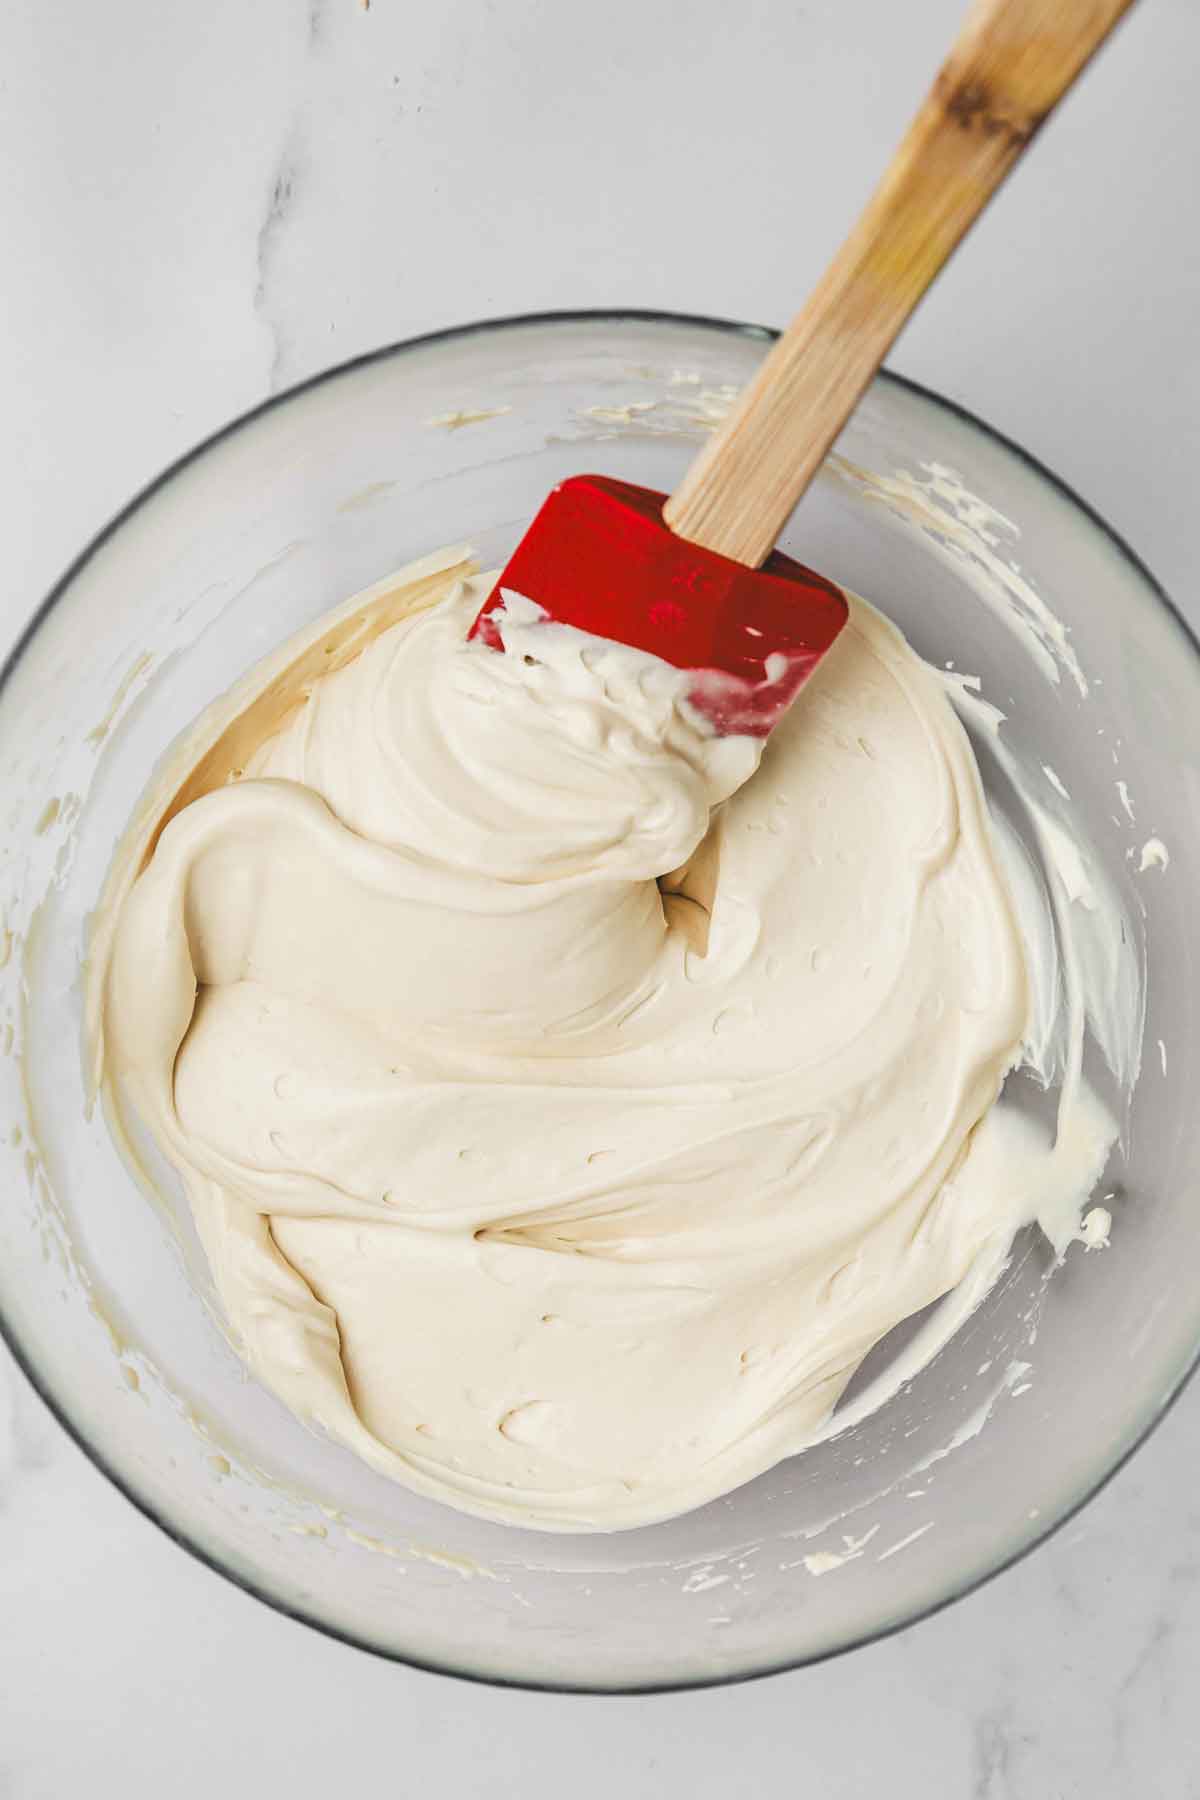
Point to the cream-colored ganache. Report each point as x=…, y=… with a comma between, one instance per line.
x=566, y=1100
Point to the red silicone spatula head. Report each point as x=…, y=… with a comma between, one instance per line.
x=600, y=557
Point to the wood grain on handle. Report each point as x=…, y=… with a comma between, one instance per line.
x=1013, y=60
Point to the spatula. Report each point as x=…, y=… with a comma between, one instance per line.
x=694, y=578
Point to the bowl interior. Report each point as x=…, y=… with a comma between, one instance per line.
x=986, y=564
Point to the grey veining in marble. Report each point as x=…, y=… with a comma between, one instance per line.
x=275, y=218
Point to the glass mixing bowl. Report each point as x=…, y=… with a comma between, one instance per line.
x=103, y=1297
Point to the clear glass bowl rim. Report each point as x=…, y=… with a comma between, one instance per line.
x=600, y=316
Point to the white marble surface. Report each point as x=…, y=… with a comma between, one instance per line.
x=201, y=203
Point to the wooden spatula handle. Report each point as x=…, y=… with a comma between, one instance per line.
x=1013, y=60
